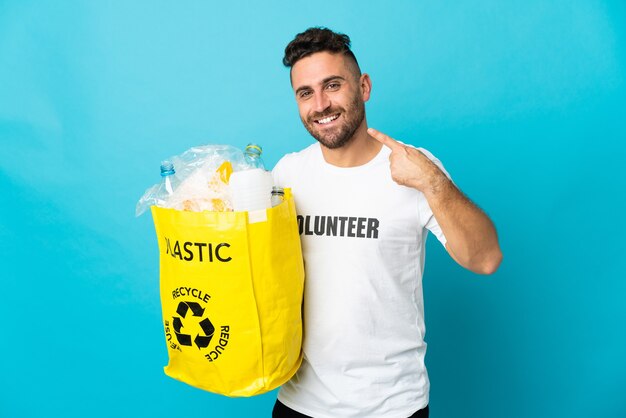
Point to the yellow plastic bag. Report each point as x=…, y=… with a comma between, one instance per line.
x=231, y=293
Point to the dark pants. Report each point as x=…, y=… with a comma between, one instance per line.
x=282, y=411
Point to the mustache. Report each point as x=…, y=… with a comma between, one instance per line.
x=326, y=113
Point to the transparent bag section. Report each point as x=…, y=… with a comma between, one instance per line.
x=201, y=180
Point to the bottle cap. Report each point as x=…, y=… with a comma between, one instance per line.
x=278, y=190
x=167, y=168
x=254, y=149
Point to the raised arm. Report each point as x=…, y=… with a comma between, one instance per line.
x=471, y=236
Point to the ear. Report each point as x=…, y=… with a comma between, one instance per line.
x=366, y=86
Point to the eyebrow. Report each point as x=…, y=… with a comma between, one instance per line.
x=324, y=81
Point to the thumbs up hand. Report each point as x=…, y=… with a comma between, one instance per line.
x=409, y=167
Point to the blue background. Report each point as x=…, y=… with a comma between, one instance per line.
x=524, y=102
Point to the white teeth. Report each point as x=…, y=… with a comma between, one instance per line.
x=328, y=119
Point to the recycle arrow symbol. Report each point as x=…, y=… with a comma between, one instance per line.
x=178, y=324
x=183, y=308
x=202, y=341
x=183, y=339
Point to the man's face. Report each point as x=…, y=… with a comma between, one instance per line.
x=330, y=97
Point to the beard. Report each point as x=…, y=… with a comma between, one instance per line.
x=342, y=134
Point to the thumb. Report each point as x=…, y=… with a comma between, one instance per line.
x=385, y=139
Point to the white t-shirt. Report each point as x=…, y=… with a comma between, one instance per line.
x=363, y=241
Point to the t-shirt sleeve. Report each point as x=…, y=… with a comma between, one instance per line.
x=426, y=213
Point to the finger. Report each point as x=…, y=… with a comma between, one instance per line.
x=385, y=139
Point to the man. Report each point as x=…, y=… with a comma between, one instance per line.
x=365, y=205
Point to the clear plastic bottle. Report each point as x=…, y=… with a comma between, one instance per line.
x=251, y=186
x=167, y=172
x=252, y=154
x=159, y=194
x=278, y=195
x=169, y=183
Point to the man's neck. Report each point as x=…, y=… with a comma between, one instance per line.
x=360, y=150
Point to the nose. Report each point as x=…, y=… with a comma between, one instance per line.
x=322, y=102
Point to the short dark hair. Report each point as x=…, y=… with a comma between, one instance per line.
x=314, y=40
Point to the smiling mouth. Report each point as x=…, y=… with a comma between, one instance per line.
x=327, y=119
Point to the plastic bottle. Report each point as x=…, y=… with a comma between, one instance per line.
x=169, y=183
x=252, y=154
x=251, y=188
x=278, y=196
x=158, y=194
x=168, y=179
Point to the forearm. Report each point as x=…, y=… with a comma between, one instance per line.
x=471, y=236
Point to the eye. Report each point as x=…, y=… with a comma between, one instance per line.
x=333, y=86
x=304, y=94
